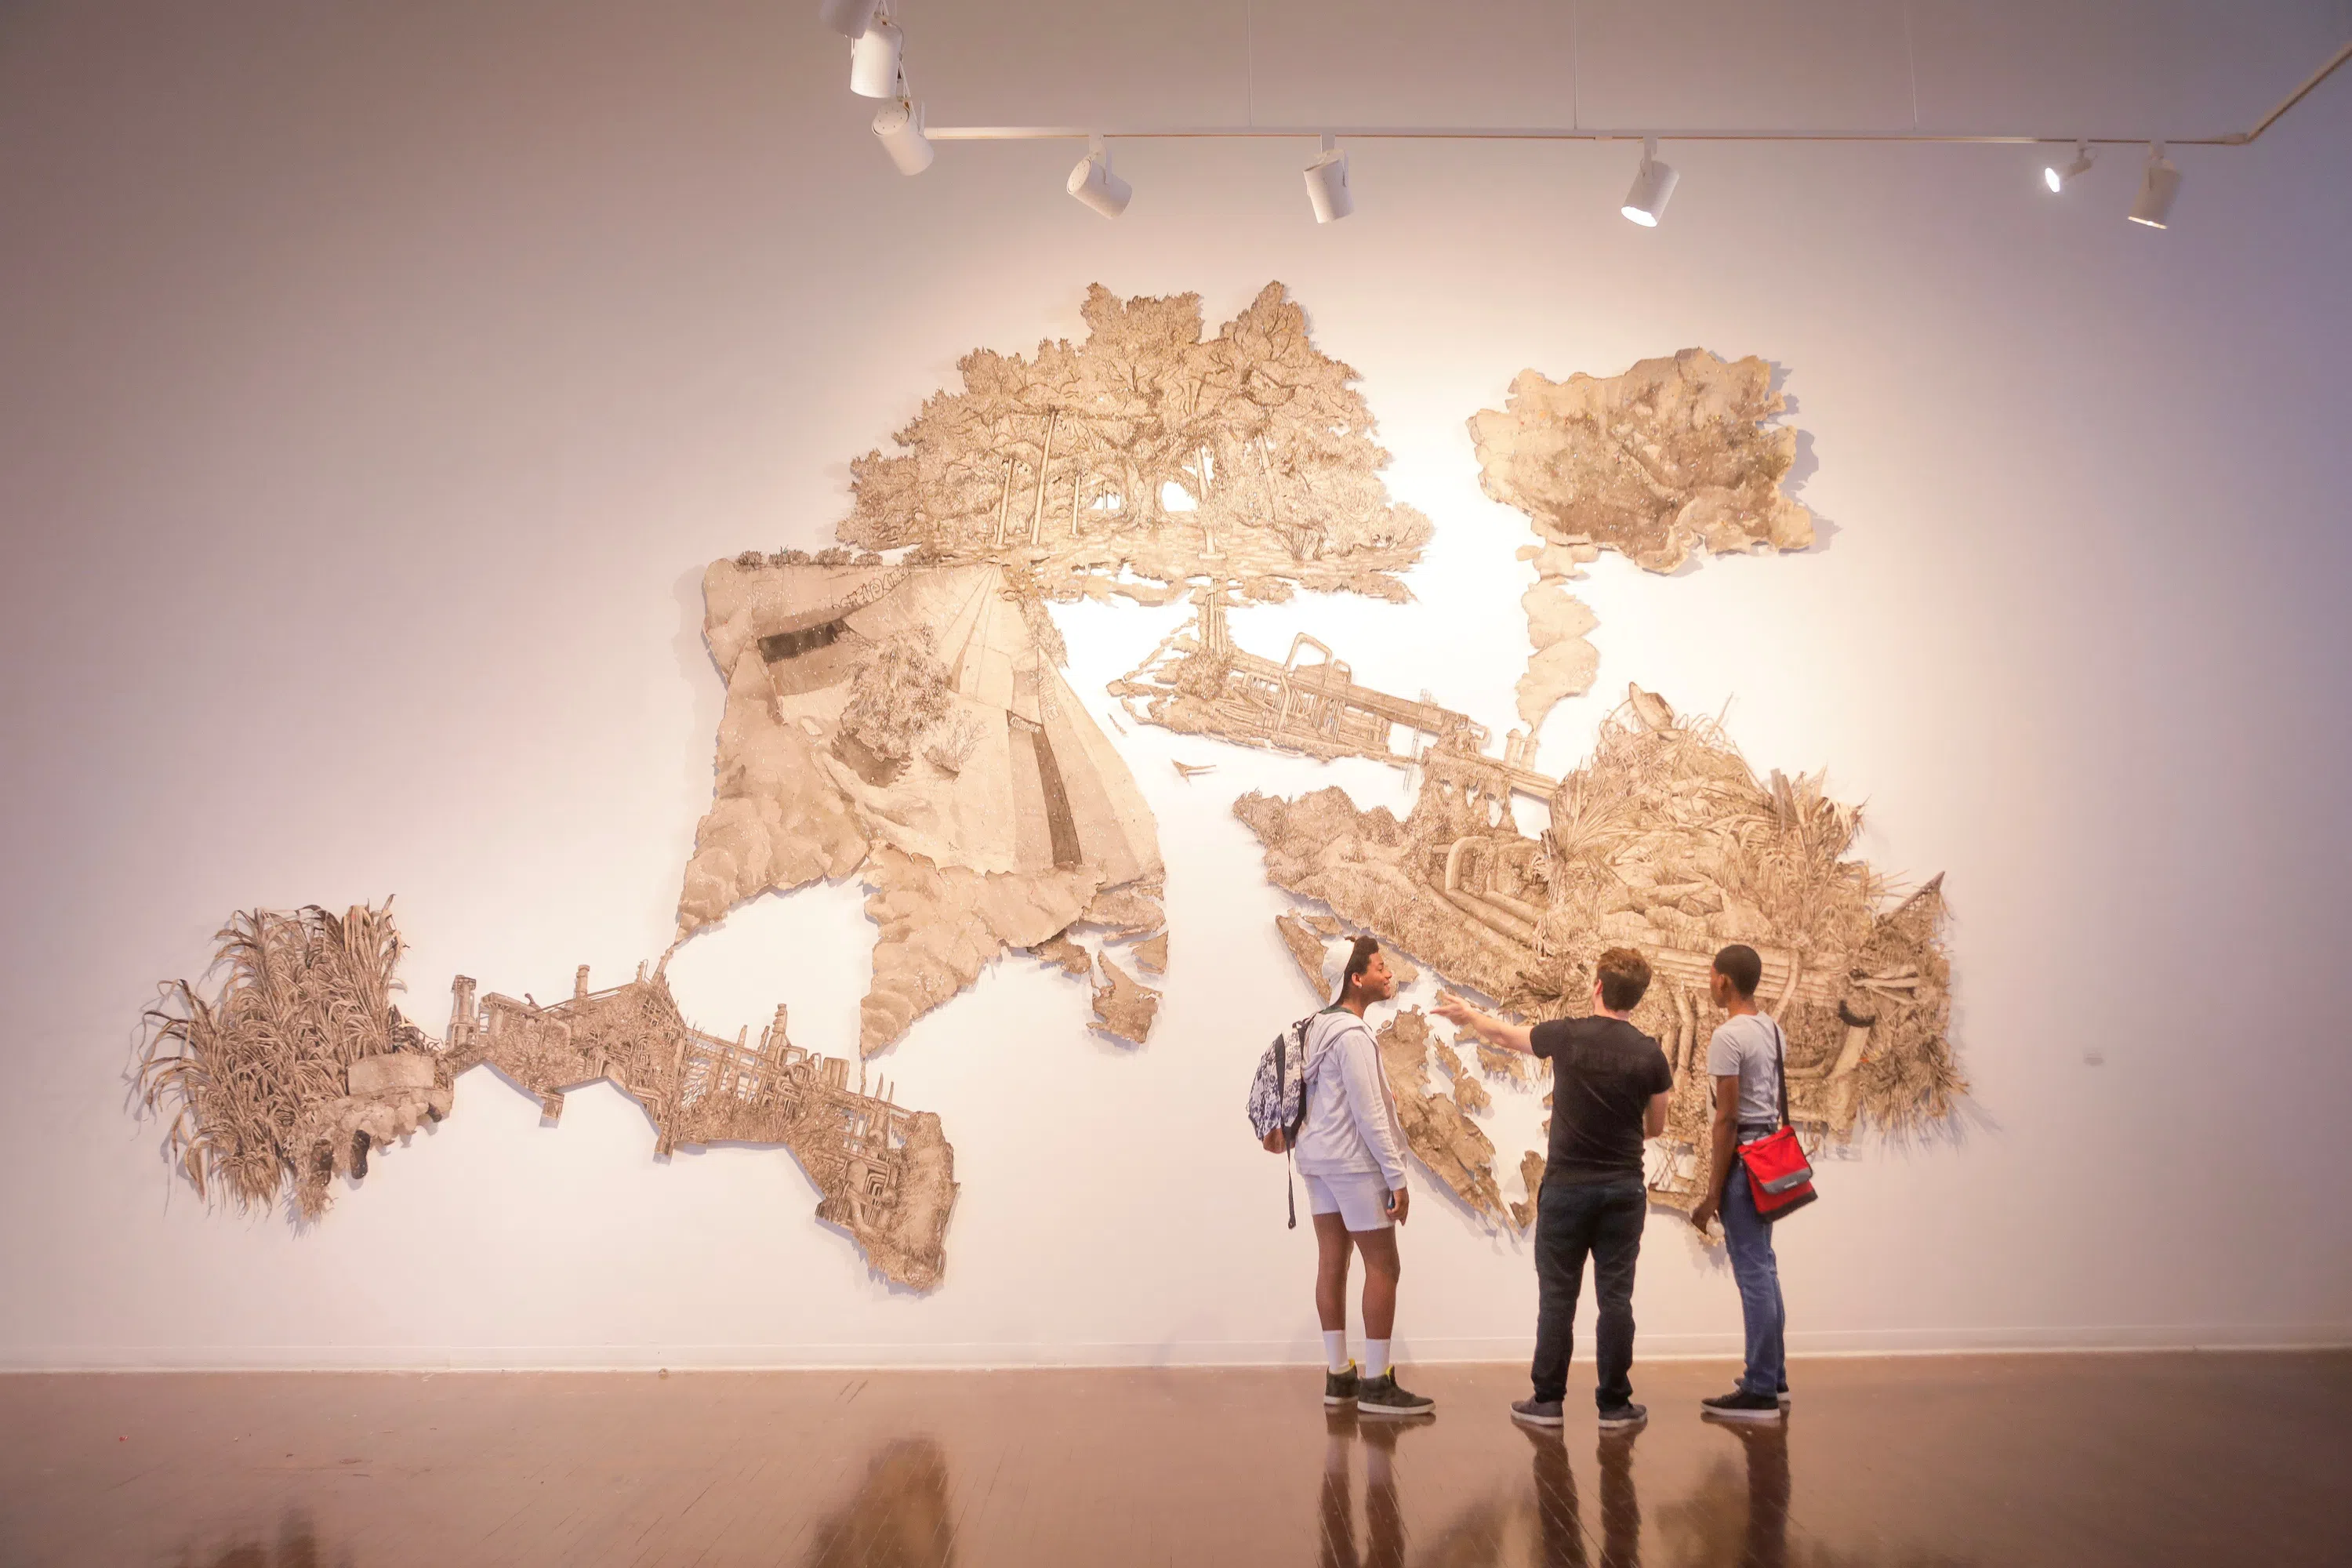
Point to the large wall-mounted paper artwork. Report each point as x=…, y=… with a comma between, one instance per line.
x=1672, y=456
x=299, y=1068
x=896, y=715
x=1666, y=841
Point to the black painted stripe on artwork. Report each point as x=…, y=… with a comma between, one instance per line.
x=808, y=639
x=1059, y=821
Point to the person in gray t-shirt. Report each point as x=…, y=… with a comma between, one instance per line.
x=1745, y=1058
x=1742, y=1048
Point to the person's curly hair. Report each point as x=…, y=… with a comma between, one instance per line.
x=1624, y=978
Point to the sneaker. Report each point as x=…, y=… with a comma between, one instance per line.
x=1783, y=1397
x=1381, y=1396
x=1340, y=1387
x=1539, y=1411
x=1741, y=1405
x=1623, y=1416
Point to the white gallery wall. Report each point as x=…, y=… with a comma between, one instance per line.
x=376, y=381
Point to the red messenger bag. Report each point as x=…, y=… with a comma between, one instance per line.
x=1779, y=1174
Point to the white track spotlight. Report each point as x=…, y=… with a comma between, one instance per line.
x=2158, y=186
x=899, y=128
x=874, y=61
x=850, y=18
x=1093, y=182
x=2058, y=176
x=1654, y=182
x=1327, y=183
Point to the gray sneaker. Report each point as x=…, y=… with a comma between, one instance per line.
x=1539, y=1411
x=1381, y=1396
x=1341, y=1387
x=1624, y=1417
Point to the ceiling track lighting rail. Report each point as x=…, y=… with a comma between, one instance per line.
x=878, y=69
x=1530, y=133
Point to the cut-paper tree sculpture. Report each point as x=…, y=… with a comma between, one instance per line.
x=1673, y=455
x=300, y=1067
x=1145, y=457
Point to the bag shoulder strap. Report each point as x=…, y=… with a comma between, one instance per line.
x=1781, y=1070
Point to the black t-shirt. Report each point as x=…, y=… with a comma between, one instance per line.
x=1603, y=1072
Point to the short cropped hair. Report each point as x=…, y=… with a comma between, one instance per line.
x=1740, y=964
x=1624, y=976
x=1359, y=958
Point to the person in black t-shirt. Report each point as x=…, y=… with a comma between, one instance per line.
x=1610, y=1087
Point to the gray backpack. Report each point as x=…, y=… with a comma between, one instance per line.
x=1278, y=1096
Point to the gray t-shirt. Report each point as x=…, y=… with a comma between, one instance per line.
x=1743, y=1046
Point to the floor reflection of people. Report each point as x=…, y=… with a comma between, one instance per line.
x=1716, y=1524
x=1558, y=1517
x=298, y=1547
x=898, y=1516
x=1383, y=1517
x=1767, y=1543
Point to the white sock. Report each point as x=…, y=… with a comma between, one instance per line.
x=1376, y=1357
x=1335, y=1348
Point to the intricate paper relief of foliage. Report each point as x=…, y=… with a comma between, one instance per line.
x=909, y=726
x=299, y=1068
x=1666, y=841
x=1145, y=456
x=1671, y=456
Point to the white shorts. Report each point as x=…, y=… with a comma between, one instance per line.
x=1361, y=1199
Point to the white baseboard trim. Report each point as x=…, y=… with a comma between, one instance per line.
x=1194, y=1353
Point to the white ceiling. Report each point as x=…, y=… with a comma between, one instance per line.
x=2121, y=67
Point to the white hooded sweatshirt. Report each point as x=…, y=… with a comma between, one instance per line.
x=1351, y=1119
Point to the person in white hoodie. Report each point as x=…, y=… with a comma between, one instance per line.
x=1351, y=1156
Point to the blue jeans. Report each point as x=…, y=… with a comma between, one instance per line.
x=1602, y=1221
x=1749, y=1238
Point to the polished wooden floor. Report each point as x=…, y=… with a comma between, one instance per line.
x=2140, y=1459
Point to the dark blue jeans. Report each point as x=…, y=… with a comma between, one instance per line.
x=1749, y=1240
x=1600, y=1220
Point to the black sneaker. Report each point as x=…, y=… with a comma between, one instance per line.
x=1381, y=1396
x=1340, y=1387
x=1783, y=1397
x=1741, y=1405
x=1624, y=1417
x=1539, y=1411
